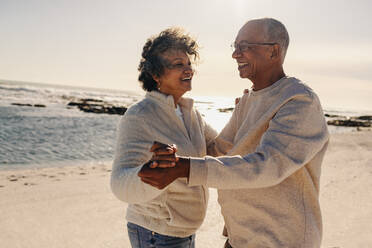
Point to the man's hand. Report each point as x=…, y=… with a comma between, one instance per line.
x=164, y=155
x=162, y=177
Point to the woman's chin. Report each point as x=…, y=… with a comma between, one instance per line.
x=186, y=85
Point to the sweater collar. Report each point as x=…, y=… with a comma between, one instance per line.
x=168, y=100
x=271, y=87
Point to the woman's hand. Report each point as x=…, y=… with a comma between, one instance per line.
x=164, y=155
x=237, y=100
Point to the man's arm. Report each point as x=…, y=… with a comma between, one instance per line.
x=296, y=133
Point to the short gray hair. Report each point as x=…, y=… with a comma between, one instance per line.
x=275, y=32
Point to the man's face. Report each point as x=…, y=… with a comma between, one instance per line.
x=252, y=53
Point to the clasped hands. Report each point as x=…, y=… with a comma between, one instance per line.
x=164, y=167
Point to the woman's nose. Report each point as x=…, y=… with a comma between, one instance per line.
x=188, y=68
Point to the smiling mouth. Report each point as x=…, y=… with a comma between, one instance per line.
x=186, y=79
x=242, y=65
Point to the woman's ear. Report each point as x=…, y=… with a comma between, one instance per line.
x=156, y=79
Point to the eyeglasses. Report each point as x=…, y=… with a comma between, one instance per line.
x=244, y=46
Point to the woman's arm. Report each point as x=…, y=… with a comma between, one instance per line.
x=134, y=140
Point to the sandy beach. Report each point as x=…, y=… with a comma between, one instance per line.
x=72, y=206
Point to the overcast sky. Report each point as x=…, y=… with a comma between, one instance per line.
x=97, y=43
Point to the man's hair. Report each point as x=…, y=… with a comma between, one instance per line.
x=152, y=64
x=276, y=32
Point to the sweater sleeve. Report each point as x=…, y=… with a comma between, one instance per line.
x=132, y=151
x=296, y=133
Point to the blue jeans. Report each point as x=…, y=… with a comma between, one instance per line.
x=143, y=238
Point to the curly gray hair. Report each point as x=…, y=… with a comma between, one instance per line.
x=152, y=64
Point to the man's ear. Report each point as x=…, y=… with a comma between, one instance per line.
x=275, y=51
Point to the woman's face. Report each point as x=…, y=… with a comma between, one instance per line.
x=177, y=75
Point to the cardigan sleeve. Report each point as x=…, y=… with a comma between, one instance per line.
x=295, y=135
x=132, y=151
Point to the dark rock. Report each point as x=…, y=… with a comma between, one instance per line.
x=79, y=104
x=39, y=105
x=73, y=104
x=224, y=110
x=29, y=105
x=117, y=110
x=365, y=117
x=89, y=105
x=349, y=123
x=333, y=116
x=22, y=104
x=90, y=100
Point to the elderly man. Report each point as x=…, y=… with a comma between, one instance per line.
x=273, y=147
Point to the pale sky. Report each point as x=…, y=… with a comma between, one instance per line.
x=97, y=43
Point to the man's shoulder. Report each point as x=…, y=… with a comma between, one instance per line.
x=294, y=87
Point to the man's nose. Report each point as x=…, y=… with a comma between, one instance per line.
x=236, y=53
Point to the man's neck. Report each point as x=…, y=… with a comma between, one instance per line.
x=267, y=79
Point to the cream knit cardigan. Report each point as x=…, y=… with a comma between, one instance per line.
x=268, y=184
x=177, y=210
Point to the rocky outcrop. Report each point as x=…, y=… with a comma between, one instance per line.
x=225, y=110
x=356, y=121
x=39, y=105
x=364, y=121
x=349, y=123
x=333, y=116
x=90, y=105
x=365, y=117
x=29, y=105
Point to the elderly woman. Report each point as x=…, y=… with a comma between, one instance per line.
x=168, y=217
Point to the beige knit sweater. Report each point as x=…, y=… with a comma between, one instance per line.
x=177, y=210
x=268, y=185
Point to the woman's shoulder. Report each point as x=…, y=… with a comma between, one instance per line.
x=140, y=108
x=136, y=116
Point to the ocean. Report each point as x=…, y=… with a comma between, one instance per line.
x=57, y=135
